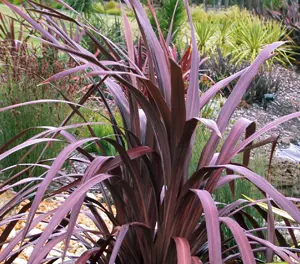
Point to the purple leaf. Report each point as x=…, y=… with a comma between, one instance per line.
x=196, y=260
x=234, y=99
x=212, y=225
x=265, y=129
x=193, y=94
x=241, y=240
x=156, y=50
x=122, y=231
x=265, y=186
x=42, y=101
x=271, y=232
x=27, y=144
x=276, y=249
x=177, y=103
x=86, y=256
x=226, y=179
x=62, y=211
x=183, y=251
x=55, y=167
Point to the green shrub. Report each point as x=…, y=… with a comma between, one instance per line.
x=111, y=5
x=240, y=34
x=15, y=121
x=82, y=6
x=110, y=28
x=206, y=36
x=290, y=17
x=17, y=2
x=101, y=131
x=99, y=8
x=57, y=5
x=249, y=36
x=219, y=67
x=114, y=12
x=198, y=14
x=164, y=14
x=129, y=12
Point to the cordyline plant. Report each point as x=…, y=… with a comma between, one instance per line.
x=160, y=213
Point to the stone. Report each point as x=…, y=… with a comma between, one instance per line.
x=12, y=234
x=27, y=252
x=294, y=129
x=286, y=140
x=20, y=261
x=285, y=175
x=80, y=251
x=34, y=231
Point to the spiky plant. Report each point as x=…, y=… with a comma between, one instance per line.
x=171, y=17
x=85, y=7
x=159, y=213
x=251, y=35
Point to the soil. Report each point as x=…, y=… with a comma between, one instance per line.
x=287, y=101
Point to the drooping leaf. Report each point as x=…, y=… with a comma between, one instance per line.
x=183, y=251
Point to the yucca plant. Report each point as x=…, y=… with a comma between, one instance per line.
x=82, y=6
x=251, y=35
x=171, y=17
x=159, y=213
x=206, y=35
x=290, y=17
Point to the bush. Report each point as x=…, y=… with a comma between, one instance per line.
x=129, y=13
x=16, y=121
x=114, y=12
x=99, y=8
x=82, y=6
x=250, y=36
x=290, y=17
x=241, y=35
x=17, y=2
x=111, y=29
x=206, y=36
x=57, y=5
x=111, y=5
x=158, y=212
x=220, y=67
x=101, y=131
x=165, y=13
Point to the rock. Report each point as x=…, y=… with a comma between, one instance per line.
x=286, y=233
x=27, y=252
x=5, y=198
x=294, y=129
x=284, y=172
x=20, y=261
x=34, y=231
x=12, y=234
x=286, y=140
x=292, y=153
x=55, y=253
x=80, y=251
x=92, y=196
x=285, y=175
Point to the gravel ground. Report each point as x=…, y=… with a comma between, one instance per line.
x=287, y=101
x=75, y=249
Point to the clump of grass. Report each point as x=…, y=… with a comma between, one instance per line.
x=99, y=8
x=241, y=35
x=15, y=121
x=111, y=5
x=114, y=11
x=104, y=130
